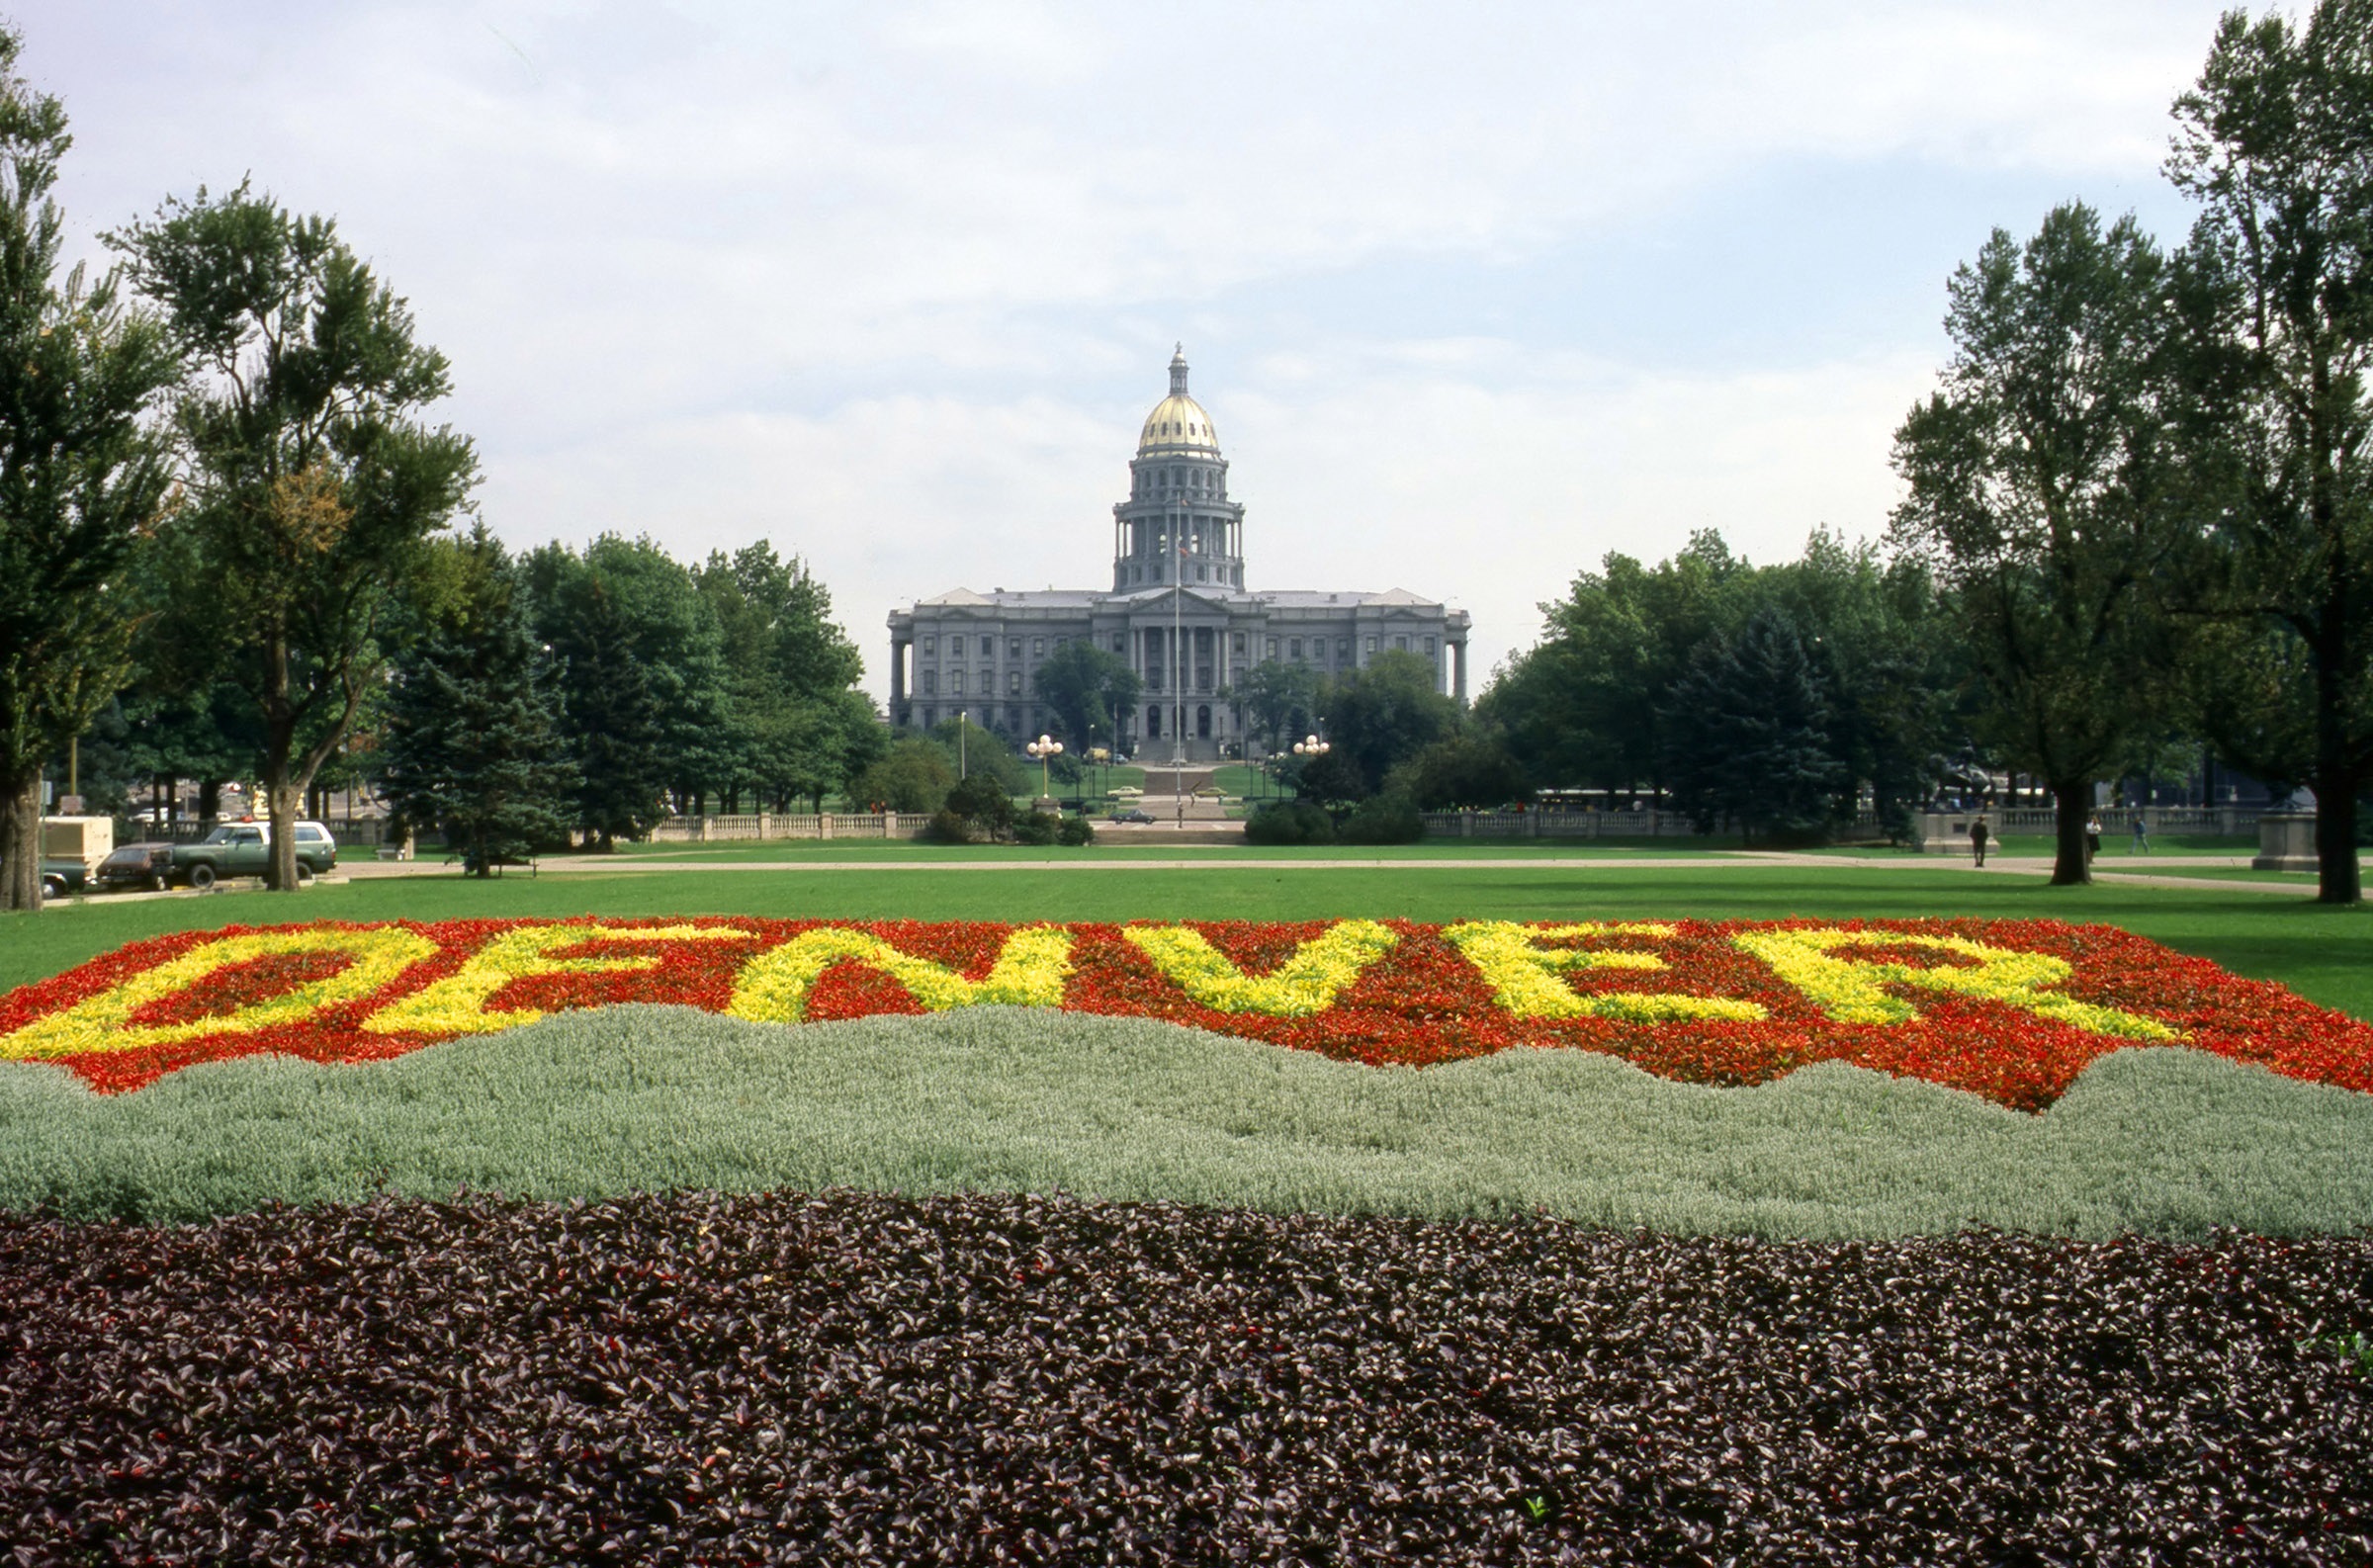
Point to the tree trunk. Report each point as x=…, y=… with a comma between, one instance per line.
x=2338, y=877
x=2073, y=804
x=21, y=846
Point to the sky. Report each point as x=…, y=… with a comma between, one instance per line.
x=1474, y=294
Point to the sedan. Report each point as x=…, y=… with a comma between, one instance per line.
x=137, y=867
x=1131, y=816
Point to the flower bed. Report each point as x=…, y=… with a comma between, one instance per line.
x=2010, y=1009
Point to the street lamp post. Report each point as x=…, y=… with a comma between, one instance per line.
x=1311, y=747
x=1177, y=687
x=1044, y=748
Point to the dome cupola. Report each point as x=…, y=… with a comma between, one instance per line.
x=1178, y=525
x=1178, y=425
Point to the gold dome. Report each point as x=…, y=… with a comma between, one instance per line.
x=1177, y=422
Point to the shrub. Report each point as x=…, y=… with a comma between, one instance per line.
x=1035, y=827
x=1383, y=820
x=1075, y=831
x=1289, y=822
x=982, y=799
x=949, y=827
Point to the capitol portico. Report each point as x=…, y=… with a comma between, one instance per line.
x=1178, y=611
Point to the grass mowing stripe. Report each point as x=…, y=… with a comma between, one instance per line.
x=2167, y=1142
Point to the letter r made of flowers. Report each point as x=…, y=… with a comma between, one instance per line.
x=1854, y=991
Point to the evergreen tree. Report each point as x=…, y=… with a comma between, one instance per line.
x=1748, y=728
x=470, y=745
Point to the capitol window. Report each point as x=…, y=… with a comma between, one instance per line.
x=1037, y=647
x=930, y=683
x=1239, y=644
x=1371, y=646
x=1013, y=683
x=1400, y=644
x=955, y=683
x=931, y=645
x=1294, y=648
x=1429, y=647
x=1273, y=648
x=1342, y=649
x=955, y=648
x=1013, y=648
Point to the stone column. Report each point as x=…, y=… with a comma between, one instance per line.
x=1459, y=670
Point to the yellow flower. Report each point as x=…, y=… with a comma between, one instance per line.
x=456, y=1004
x=1307, y=983
x=1029, y=972
x=1851, y=991
x=102, y=1023
x=1530, y=980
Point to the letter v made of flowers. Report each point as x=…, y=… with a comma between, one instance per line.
x=1308, y=982
x=1029, y=972
x=1852, y=991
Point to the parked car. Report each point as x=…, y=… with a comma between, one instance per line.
x=62, y=875
x=244, y=849
x=145, y=865
x=1131, y=816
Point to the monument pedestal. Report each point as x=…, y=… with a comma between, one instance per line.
x=2286, y=841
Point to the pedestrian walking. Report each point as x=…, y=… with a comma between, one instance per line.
x=2092, y=838
x=1977, y=837
x=2141, y=837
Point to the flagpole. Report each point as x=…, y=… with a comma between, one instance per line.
x=1177, y=673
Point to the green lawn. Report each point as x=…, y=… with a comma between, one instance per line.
x=1117, y=844
x=2324, y=955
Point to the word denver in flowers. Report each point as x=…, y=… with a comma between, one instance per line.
x=2013, y=1011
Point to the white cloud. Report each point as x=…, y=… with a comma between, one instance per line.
x=895, y=284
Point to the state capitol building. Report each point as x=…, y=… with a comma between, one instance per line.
x=976, y=653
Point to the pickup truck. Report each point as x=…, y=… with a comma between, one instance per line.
x=61, y=875
x=244, y=849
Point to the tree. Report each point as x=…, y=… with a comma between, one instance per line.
x=2041, y=485
x=1280, y=700
x=1892, y=664
x=1384, y=714
x=1088, y=690
x=471, y=744
x=2276, y=143
x=314, y=486
x=914, y=775
x=790, y=672
x=1469, y=769
x=1586, y=708
x=82, y=479
x=1749, y=729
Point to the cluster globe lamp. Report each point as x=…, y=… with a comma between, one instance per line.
x=1044, y=748
x=1310, y=746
